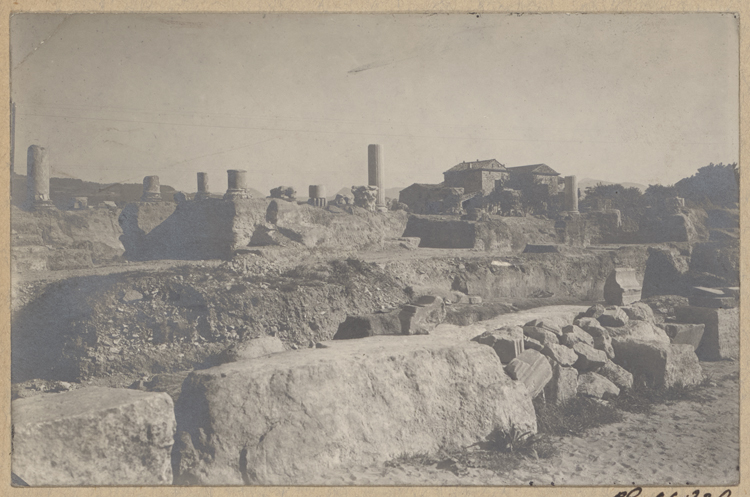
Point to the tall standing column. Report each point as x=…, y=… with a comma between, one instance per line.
x=571, y=194
x=37, y=177
x=236, y=187
x=375, y=172
x=151, y=189
x=202, y=186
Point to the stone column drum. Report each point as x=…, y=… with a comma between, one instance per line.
x=202, y=186
x=151, y=189
x=317, y=194
x=37, y=177
x=375, y=172
x=236, y=183
x=571, y=194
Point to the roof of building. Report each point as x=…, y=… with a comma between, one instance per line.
x=426, y=186
x=542, y=169
x=480, y=165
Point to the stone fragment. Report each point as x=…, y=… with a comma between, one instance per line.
x=563, y=386
x=594, y=311
x=251, y=349
x=421, y=319
x=617, y=375
x=507, y=342
x=540, y=334
x=597, y=386
x=535, y=376
x=639, y=330
x=664, y=273
x=613, y=317
x=658, y=364
x=475, y=299
x=664, y=305
x=591, y=326
x=530, y=343
x=285, y=419
x=572, y=335
x=604, y=343
x=690, y=334
x=589, y=358
x=721, y=336
x=383, y=323
x=560, y=353
x=622, y=287
x=639, y=311
x=545, y=324
x=93, y=436
x=132, y=296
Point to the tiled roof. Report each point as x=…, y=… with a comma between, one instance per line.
x=482, y=165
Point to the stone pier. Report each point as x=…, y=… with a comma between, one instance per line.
x=571, y=194
x=236, y=184
x=37, y=178
x=375, y=173
x=203, y=192
x=317, y=194
x=151, y=189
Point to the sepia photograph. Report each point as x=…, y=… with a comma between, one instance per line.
x=349, y=250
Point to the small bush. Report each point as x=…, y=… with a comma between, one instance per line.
x=574, y=417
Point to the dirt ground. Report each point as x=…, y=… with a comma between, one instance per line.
x=679, y=443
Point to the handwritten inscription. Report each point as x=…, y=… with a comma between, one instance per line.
x=695, y=493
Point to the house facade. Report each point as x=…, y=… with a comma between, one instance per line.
x=479, y=176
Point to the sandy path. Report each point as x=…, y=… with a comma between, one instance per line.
x=680, y=443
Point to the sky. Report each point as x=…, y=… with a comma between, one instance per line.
x=295, y=99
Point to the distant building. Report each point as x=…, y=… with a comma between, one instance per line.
x=523, y=177
x=428, y=199
x=481, y=175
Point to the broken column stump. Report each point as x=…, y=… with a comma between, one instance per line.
x=532, y=369
x=507, y=342
x=94, y=436
x=622, y=287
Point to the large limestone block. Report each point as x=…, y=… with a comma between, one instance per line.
x=639, y=330
x=541, y=335
x=563, y=386
x=685, y=333
x=384, y=323
x=420, y=318
x=531, y=368
x=597, y=386
x=658, y=364
x=507, y=342
x=561, y=354
x=614, y=317
x=622, y=287
x=289, y=417
x=572, y=335
x=721, y=337
x=589, y=358
x=252, y=349
x=617, y=375
x=639, y=311
x=93, y=436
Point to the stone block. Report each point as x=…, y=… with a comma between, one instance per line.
x=639, y=330
x=507, y=342
x=721, y=336
x=594, y=311
x=546, y=324
x=563, y=355
x=383, y=323
x=613, y=317
x=617, y=375
x=93, y=436
x=572, y=335
x=658, y=364
x=664, y=273
x=251, y=349
x=532, y=369
x=589, y=359
x=563, y=386
x=421, y=319
x=475, y=299
x=604, y=343
x=591, y=326
x=622, y=287
x=639, y=311
x=540, y=334
x=596, y=386
x=531, y=344
x=285, y=419
x=690, y=334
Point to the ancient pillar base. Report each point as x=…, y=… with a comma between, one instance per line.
x=151, y=197
x=41, y=205
x=236, y=194
x=317, y=202
x=202, y=196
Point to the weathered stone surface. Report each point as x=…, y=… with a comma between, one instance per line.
x=594, y=311
x=540, y=334
x=286, y=418
x=589, y=358
x=713, y=302
x=597, y=386
x=560, y=353
x=639, y=330
x=572, y=335
x=664, y=305
x=532, y=369
x=420, y=319
x=591, y=326
x=721, y=336
x=614, y=317
x=251, y=349
x=622, y=287
x=664, y=273
x=639, y=311
x=93, y=436
x=604, y=343
x=507, y=342
x=545, y=324
x=383, y=323
x=617, y=375
x=531, y=344
x=690, y=334
x=658, y=364
x=563, y=386
x=475, y=299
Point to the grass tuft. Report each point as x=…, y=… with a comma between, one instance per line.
x=573, y=417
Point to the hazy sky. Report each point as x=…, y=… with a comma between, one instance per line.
x=296, y=99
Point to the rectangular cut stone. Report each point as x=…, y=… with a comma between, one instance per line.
x=508, y=349
x=658, y=364
x=690, y=334
x=563, y=386
x=291, y=417
x=622, y=287
x=421, y=319
x=385, y=323
x=93, y=436
x=721, y=336
x=536, y=376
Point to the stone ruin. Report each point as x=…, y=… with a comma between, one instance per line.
x=37, y=178
x=317, y=194
x=284, y=193
x=366, y=197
